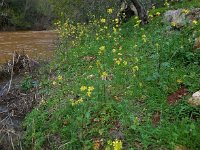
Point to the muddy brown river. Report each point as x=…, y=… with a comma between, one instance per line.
x=37, y=44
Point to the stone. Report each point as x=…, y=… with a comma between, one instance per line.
x=197, y=44
x=181, y=17
x=175, y=18
x=196, y=94
x=180, y=147
x=195, y=99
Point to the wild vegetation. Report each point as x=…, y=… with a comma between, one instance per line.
x=25, y=14
x=109, y=85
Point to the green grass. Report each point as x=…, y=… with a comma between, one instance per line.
x=121, y=106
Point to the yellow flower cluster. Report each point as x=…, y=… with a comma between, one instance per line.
x=194, y=22
x=102, y=50
x=173, y=24
x=179, y=81
x=117, y=144
x=74, y=32
x=104, y=75
x=118, y=61
x=150, y=16
x=138, y=21
x=110, y=11
x=135, y=68
x=185, y=11
x=83, y=88
x=103, y=20
x=158, y=13
x=76, y=102
x=59, y=78
x=116, y=20
x=89, y=90
x=166, y=3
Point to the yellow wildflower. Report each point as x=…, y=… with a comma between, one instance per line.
x=54, y=83
x=194, y=22
x=110, y=10
x=125, y=63
x=179, y=81
x=185, y=11
x=166, y=3
x=103, y=20
x=173, y=24
x=73, y=102
x=120, y=54
x=158, y=14
x=104, y=75
x=98, y=63
x=80, y=100
x=83, y=88
x=102, y=49
x=135, y=68
x=117, y=144
x=114, y=30
x=117, y=20
x=89, y=93
x=114, y=50
x=118, y=62
x=60, y=77
x=150, y=16
x=90, y=88
x=144, y=36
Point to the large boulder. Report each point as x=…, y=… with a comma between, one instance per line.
x=181, y=17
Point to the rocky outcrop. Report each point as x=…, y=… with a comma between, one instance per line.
x=181, y=17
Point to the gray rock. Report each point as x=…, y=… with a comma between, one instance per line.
x=180, y=18
x=195, y=99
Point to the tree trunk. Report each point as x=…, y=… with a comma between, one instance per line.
x=142, y=13
x=134, y=7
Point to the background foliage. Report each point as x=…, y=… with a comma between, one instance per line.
x=24, y=14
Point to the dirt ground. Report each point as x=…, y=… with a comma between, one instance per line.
x=15, y=102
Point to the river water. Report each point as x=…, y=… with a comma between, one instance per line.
x=37, y=44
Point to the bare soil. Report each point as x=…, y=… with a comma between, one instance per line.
x=15, y=103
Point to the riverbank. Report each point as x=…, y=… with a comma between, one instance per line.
x=18, y=96
x=18, y=82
